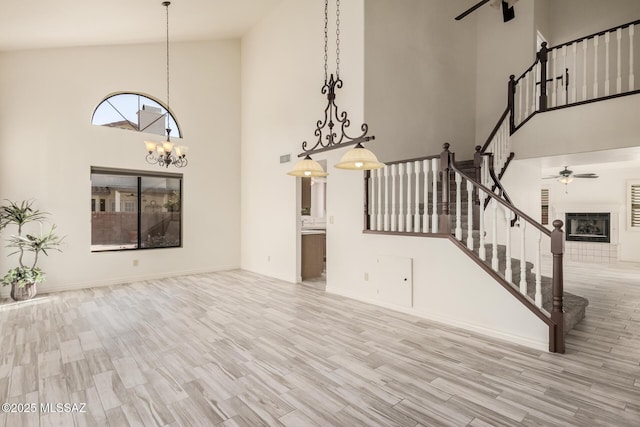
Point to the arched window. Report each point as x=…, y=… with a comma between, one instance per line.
x=137, y=112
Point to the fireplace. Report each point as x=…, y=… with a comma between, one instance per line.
x=588, y=227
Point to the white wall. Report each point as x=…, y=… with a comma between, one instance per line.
x=282, y=77
x=603, y=125
x=448, y=287
x=608, y=191
x=571, y=19
x=419, y=78
x=502, y=49
x=48, y=97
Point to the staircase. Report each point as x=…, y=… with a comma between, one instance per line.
x=412, y=198
x=574, y=306
x=472, y=208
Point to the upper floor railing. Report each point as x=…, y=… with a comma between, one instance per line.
x=599, y=66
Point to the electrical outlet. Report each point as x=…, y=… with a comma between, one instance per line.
x=366, y=277
x=135, y=262
x=268, y=258
x=331, y=219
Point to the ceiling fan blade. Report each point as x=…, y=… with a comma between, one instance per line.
x=585, y=175
x=471, y=9
x=552, y=177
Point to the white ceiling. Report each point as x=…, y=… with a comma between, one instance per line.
x=33, y=24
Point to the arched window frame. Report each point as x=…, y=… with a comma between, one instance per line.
x=176, y=131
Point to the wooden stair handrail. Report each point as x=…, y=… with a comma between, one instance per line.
x=504, y=203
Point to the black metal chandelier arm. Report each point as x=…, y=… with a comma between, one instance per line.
x=151, y=159
x=333, y=117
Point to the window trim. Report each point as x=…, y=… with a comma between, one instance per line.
x=139, y=174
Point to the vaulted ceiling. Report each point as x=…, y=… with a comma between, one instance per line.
x=34, y=24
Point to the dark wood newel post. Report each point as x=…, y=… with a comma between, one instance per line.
x=556, y=344
x=477, y=164
x=543, y=58
x=511, y=103
x=445, y=167
x=367, y=175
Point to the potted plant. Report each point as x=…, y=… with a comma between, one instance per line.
x=24, y=278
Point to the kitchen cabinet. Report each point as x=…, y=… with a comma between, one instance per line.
x=313, y=254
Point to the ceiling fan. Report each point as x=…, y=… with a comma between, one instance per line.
x=507, y=8
x=565, y=176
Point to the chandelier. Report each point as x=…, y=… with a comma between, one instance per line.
x=331, y=130
x=166, y=153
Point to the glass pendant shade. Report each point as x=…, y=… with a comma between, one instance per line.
x=307, y=167
x=566, y=179
x=359, y=158
x=151, y=146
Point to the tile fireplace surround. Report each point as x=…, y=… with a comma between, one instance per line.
x=591, y=252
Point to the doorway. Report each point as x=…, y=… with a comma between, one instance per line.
x=313, y=230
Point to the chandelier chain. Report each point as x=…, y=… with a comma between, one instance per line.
x=338, y=39
x=166, y=4
x=326, y=39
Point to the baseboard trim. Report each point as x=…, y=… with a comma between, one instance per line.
x=447, y=321
x=48, y=289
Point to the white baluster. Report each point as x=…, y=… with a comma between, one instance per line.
x=408, y=219
x=584, y=69
x=606, y=63
x=595, y=66
x=458, y=178
x=380, y=188
x=469, y=214
x=372, y=200
x=572, y=80
x=564, y=94
x=425, y=211
x=434, y=196
x=416, y=214
x=523, y=258
x=497, y=153
x=394, y=213
x=482, y=252
x=526, y=98
x=538, y=297
x=632, y=83
x=401, y=197
x=519, y=104
x=485, y=172
x=494, y=235
x=535, y=95
x=386, y=198
x=619, y=64
x=554, y=94
x=508, y=273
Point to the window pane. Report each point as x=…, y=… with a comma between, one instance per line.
x=161, y=214
x=135, y=112
x=115, y=224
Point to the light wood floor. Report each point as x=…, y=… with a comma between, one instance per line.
x=237, y=349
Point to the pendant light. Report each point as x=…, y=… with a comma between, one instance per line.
x=307, y=167
x=165, y=153
x=331, y=131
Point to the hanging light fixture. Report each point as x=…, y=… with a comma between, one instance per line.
x=166, y=153
x=358, y=158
